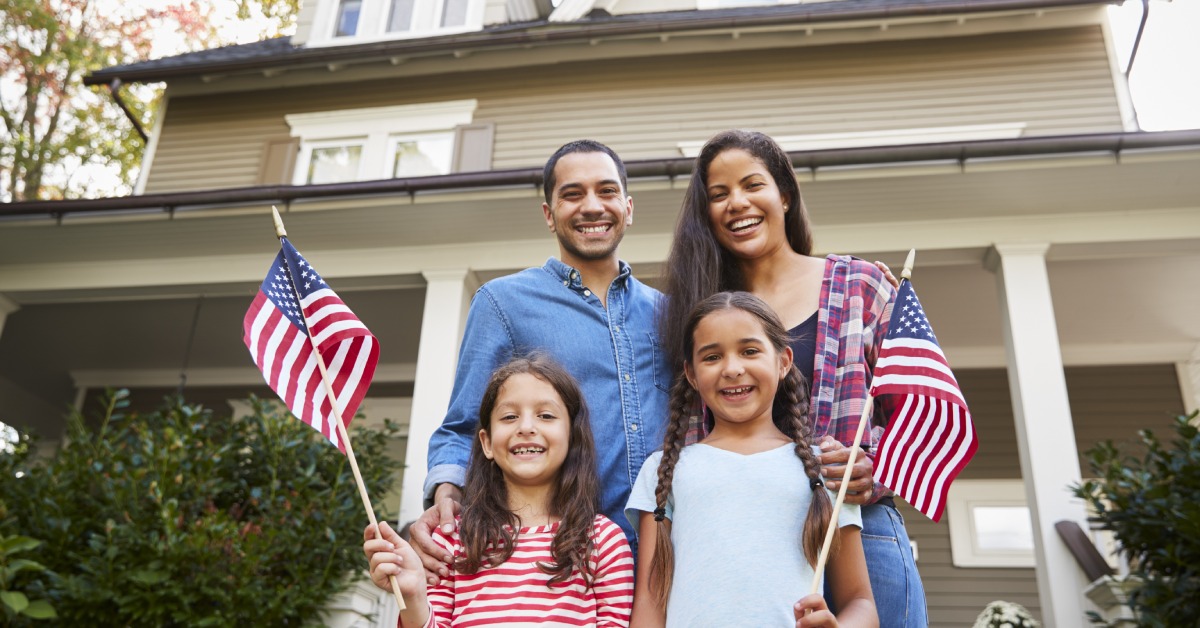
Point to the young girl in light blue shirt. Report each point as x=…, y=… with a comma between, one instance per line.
x=730, y=528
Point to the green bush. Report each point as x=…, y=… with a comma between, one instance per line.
x=1152, y=506
x=182, y=518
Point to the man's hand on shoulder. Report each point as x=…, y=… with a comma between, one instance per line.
x=447, y=500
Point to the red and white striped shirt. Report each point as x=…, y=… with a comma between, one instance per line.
x=517, y=593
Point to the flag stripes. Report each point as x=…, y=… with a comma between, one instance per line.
x=930, y=437
x=277, y=327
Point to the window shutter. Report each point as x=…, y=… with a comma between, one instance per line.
x=473, y=146
x=279, y=159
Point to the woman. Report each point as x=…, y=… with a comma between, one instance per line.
x=743, y=226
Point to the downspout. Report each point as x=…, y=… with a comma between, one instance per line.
x=114, y=88
x=1138, y=40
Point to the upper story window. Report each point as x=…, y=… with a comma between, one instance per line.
x=384, y=142
x=337, y=20
x=347, y=18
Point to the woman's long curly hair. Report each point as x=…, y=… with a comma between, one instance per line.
x=789, y=412
x=488, y=528
x=697, y=266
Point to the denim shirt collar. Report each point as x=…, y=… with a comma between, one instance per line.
x=574, y=279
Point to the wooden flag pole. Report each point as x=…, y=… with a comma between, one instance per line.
x=337, y=411
x=819, y=570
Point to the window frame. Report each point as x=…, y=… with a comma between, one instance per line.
x=964, y=496
x=375, y=127
x=304, y=159
x=374, y=17
x=396, y=138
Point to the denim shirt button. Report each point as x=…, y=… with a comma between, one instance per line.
x=633, y=427
x=627, y=377
x=587, y=293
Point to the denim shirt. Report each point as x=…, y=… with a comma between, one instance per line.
x=613, y=353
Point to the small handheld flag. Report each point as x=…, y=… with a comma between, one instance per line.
x=293, y=303
x=297, y=325
x=930, y=437
x=907, y=376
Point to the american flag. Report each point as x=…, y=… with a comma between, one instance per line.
x=277, y=330
x=930, y=437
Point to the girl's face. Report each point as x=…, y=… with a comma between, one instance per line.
x=530, y=431
x=734, y=367
x=745, y=206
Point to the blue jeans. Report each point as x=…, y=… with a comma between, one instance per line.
x=899, y=595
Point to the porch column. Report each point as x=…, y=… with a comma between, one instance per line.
x=6, y=307
x=1045, y=434
x=1189, y=381
x=447, y=298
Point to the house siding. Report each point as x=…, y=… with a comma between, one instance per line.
x=1054, y=81
x=1107, y=403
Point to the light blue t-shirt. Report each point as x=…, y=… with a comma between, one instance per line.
x=736, y=522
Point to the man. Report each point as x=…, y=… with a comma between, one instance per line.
x=586, y=310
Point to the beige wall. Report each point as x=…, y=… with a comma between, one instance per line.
x=1107, y=402
x=1056, y=82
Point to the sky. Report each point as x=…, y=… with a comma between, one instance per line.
x=1165, y=81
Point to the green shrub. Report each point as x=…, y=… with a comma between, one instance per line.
x=17, y=578
x=182, y=518
x=1152, y=506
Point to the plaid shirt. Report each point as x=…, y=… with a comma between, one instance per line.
x=855, y=309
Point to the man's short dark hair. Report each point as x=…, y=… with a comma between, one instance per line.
x=579, y=146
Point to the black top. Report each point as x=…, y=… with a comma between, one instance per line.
x=804, y=347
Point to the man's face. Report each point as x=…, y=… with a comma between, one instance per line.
x=588, y=210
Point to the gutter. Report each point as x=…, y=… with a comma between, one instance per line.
x=545, y=32
x=961, y=152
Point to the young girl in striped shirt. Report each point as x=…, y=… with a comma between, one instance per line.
x=530, y=547
x=729, y=528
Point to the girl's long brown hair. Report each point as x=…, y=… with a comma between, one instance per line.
x=789, y=413
x=488, y=528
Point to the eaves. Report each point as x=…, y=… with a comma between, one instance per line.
x=280, y=54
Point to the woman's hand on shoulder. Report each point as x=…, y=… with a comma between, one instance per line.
x=887, y=273
x=388, y=556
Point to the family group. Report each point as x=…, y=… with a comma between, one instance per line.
x=617, y=456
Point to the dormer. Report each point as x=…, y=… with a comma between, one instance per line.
x=339, y=22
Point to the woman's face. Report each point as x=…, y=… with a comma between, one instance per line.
x=745, y=207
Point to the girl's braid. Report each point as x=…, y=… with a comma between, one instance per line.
x=820, y=510
x=683, y=401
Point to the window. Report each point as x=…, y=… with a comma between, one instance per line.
x=885, y=137
x=367, y=20
x=990, y=524
x=334, y=162
x=730, y=4
x=379, y=142
x=401, y=16
x=421, y=155
x=454, y=13
x=347, y=17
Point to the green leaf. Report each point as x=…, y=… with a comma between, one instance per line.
x=40, y=609
x=18, y=565
x=14, y=600
x=148, y=577
x=16, y=544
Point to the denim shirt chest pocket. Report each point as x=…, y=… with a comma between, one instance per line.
x=658, y=365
